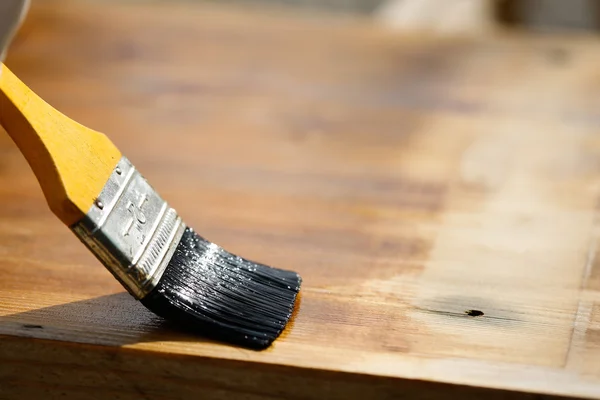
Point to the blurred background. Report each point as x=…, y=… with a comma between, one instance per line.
x=456, y=15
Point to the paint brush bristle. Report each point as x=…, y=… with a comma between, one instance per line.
x=223, y=295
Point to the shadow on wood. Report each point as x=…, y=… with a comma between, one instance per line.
x=73, y=321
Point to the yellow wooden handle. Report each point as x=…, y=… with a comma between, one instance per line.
x=71, y=162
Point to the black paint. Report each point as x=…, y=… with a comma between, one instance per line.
x=223, y=296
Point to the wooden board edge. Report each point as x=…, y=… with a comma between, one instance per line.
x=39, y=368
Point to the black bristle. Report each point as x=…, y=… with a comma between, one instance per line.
x=223, y=296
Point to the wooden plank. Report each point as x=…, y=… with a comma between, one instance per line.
x=409, y=180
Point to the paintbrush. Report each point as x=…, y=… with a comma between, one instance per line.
x=99, y=194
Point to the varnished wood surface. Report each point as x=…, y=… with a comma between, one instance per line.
x=408, y=180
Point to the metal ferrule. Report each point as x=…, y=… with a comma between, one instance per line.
x=131, y=230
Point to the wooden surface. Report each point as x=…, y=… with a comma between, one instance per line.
x=409, y=180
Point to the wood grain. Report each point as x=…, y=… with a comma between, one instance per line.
x=409, y=180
